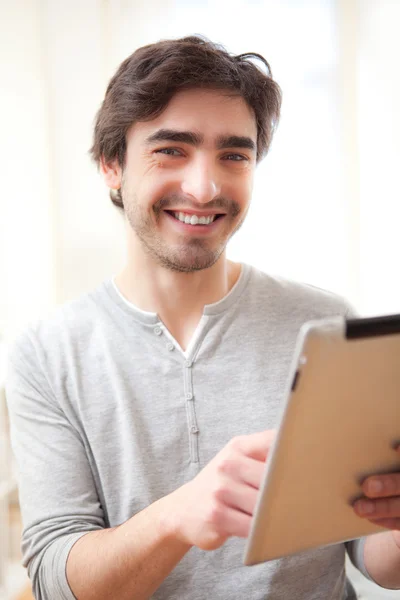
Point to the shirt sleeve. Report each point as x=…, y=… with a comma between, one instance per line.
x=355, y=551
x=58, y=497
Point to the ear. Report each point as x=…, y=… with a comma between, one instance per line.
x=112, y=173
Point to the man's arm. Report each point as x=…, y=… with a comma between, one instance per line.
x=132, y=560
x=125, y=562
x=65, y=540
x=382, y=559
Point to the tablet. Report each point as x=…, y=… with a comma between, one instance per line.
x=340, y=422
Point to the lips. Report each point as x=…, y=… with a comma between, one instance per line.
x=192, y=221
x=194, y=218
x=197, y=213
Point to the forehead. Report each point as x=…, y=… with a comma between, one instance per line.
x=211, y=112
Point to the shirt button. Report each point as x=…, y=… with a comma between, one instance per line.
x=194, y=429
x=157, y=330
x=189, y=396
x=170, y=346
x=188, y=364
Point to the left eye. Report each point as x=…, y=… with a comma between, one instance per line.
x=169, y=151
x=235, y=157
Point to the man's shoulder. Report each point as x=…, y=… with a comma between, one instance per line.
x=284, y=295
x=71, y=323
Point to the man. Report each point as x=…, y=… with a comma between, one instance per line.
x=142, y=414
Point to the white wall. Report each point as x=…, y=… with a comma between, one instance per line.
x=325, y=207
x=89, y=232
x=379, y=135
x=27, y=255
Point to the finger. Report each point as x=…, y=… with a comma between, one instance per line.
x=383, y=486
x=383, y=508
x=234, y=522
x=251, y=472
x=245, y=470
x=255, y=445
x=393, y=524
x=237, y=495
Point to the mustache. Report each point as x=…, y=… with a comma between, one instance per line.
x=227, y=206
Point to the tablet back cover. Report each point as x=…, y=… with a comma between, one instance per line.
x=340, y=423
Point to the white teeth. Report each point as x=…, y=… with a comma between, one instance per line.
x=194, y=219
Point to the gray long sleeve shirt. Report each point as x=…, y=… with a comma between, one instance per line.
x=108, y=414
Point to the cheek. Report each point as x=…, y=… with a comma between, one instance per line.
x=152, y=188
x=242, y=190
x=243, y=178
x=141, y=179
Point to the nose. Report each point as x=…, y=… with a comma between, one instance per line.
x=201, y=182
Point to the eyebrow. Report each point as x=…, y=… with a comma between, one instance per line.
x=197, y=139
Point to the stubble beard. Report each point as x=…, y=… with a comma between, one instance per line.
x=194, y=254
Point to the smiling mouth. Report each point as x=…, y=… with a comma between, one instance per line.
x=190, y=219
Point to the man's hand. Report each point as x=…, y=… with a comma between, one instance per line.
x=381, y=504
x=219, y=502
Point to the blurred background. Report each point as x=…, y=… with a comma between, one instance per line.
x=326, y=206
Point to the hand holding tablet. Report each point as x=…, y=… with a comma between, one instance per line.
x=339, y=427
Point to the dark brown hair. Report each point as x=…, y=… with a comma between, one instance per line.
x=146, y=81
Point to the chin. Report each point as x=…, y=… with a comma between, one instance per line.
x=189, y=264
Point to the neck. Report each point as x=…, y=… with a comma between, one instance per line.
x=178, y=298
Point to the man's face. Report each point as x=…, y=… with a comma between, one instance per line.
x=188, y=177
